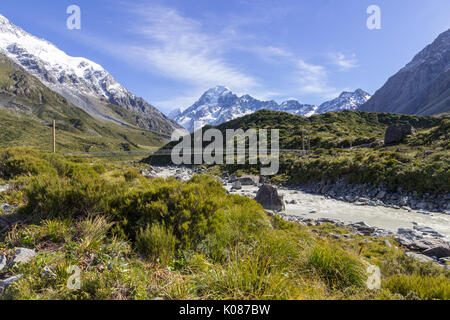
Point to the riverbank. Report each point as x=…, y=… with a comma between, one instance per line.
x=416, y=230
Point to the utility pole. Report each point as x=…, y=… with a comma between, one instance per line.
x=54, y=136
x=309, y=142
x=303, y=142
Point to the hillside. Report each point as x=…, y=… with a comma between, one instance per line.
x=27, y=108
x=349, y=144
x=422, y=87
x=80, y=81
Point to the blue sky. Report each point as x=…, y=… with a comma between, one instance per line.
x=170, y=52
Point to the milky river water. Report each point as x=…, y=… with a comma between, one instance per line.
x=317, y=206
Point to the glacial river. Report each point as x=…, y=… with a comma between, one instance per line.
x=317, y=206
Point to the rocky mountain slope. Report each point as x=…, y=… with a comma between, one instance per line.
x=422, y=87
x=27, y=108
x=84, y=83
x=220, y=104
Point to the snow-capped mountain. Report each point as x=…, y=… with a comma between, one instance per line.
x=346, y=101
x=84, y=83
x=219, y=105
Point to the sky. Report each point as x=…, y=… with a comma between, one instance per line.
x=170, y=52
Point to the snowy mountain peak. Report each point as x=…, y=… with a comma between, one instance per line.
x=345, y=101
x=217, y=91
x=84, y=83
x=218, y=105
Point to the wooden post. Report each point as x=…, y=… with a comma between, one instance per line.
x=303, y=142
x=54, y=136
x=309, y=142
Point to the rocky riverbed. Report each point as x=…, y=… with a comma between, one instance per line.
x=425, y=233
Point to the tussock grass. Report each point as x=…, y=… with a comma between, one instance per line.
x=339, y=269
x=139, y=238
x=156, y=243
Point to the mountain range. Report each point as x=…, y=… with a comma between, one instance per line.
x=422, y=87
x=220, y=104
x=84, y=83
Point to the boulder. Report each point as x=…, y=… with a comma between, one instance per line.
x=381, y=194
x=268, y=197
x=236, y=186
x=2, y=262
x=419, y=257
x=48, y=273
x=4, y=284
x=397, y=132
x=7, y=208
x=441, y=251
x=249, y=180
x=23, y=255
x=444, y=260
x=429, y=231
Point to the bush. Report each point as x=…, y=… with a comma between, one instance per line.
x=419, y=287
x=19, y=161
x=338, y=268
x=156, y=243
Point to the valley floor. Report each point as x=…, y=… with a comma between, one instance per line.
x=137, y=232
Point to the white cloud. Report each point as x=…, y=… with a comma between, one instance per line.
x=170, y=45
x=180, y=50
x=343, y=62
x=313, y=79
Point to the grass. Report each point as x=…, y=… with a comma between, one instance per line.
x=348, y=145
x=419, y=287
x=339, y=269
x=139, y=238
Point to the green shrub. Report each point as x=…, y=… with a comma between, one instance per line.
x=156, y=243
x=420, y=287
x=18, y=161
x=338, y=268
x=131, y=174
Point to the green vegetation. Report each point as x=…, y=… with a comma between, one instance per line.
x=349, y=145
x=139, y=238
x=27, y=109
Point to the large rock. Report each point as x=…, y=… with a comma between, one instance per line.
x=4, y=284
x=441, y=251
x=2, y=262
x=249, y=180
x=236, y=186
x=419, y=257
x=397, y=132
x=23, y=255
x=434, y=246
x=7, y=208
x=268, y=197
